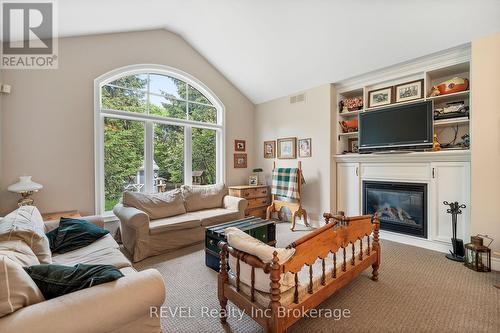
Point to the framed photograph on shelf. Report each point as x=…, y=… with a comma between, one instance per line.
x=352, y=145
x=240, y=145
x=269, y=149
x=409, y=91
x=240, y=161
x=380, y=97
x=305, y=147
x=253, y=180
x=287, y=148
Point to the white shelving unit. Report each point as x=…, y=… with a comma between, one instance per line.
x=432, y=74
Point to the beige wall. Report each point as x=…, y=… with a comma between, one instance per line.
x=48, y=126
x=310, y=119
x=485, y=130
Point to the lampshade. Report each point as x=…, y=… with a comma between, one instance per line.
x=25, y=184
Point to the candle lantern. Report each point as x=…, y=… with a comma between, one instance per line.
x=478, y=255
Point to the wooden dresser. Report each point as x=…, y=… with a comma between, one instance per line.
x=257, y=196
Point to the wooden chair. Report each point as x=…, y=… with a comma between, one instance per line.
x=295, y=206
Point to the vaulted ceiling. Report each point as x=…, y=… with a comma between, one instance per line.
x=273, y=48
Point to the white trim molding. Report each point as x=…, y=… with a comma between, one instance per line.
x=100, y=113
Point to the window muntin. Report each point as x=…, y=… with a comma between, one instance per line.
x=158, y=95
x=169, y=109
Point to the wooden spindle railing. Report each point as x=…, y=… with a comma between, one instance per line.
x=238, y=274
x=334, y=272
x=323, y=275
x=344, y=264
x=252, y=290
x=361, y=248
x=310, y=289
x=353, y=260
x=296, y=292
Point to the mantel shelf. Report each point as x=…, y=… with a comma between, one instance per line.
x=349, y=134
x=456, y=155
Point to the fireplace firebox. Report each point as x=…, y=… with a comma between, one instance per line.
x=401, y=207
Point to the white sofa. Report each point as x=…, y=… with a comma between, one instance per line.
x=151, y=224
x=119, y=306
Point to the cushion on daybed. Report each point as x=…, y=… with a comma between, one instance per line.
x=203, y=196
x=246, y=243
x=17, y=289
x=156, y=205
x=26, y=224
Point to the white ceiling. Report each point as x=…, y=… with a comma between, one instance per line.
x=273, y=48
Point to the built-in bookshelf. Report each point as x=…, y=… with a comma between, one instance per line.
x=432, y=73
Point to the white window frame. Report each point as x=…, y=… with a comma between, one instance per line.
x=149, y=120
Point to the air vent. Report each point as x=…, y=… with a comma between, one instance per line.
x=297, y=98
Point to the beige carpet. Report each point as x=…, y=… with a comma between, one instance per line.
x=418, y=291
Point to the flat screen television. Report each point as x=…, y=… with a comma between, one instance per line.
x=408, y=126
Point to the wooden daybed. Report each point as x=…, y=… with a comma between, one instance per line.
x=327, y=259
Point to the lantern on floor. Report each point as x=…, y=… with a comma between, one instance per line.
x=477, y=255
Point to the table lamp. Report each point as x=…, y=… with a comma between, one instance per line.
x=26, y=187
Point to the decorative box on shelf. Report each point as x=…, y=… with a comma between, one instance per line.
x=257, y=196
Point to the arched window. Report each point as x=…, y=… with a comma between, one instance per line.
x=156, y=128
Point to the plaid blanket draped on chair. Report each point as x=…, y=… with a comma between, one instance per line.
x=285, y=183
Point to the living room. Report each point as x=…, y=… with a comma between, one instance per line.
x=183, y=166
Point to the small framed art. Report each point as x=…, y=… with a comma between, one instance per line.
x=305, y=147
x=380, y=97
x=240, y=145
x=269, y=149
x=409, y=91
x=287, y=148
x=240, y=161
x=352, y=145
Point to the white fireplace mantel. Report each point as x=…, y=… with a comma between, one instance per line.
x=446, y=173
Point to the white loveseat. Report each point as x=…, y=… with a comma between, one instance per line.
x=119, y=306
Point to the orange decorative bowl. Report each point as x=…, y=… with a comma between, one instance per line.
x=454, y=85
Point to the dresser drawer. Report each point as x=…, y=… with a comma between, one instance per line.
x=258, y=212
x=258, y=202
x=248, y=193
x=261, y=192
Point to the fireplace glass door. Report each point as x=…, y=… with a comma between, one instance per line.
x=401, y=207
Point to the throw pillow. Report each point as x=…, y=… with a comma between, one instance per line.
x=58, y=280
x=18, y=251
x=17, y=289
x=242, y=241
x=26, y=224
x=156, y=205
x=73, y=234
x=200, y=197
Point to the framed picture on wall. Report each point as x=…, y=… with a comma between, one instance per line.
x=240, y=145
x=305, y=147
x=287, y=148
x=240, y=161
x=409, y=91
x=269, y=149
x=380, y=97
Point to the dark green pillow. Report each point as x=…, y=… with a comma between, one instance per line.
x=73, y=234
x=58, y=280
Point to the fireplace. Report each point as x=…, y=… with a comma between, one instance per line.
x=401, y=207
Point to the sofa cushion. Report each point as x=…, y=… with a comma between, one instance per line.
x=57, y=280
x=156, y=205
x=213, y=216
x=204, y=196
x=18, y=251
x=104, y=251
x=73, y=234
x=180, y=222
x=17, y=289
x=26, y=224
